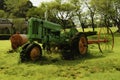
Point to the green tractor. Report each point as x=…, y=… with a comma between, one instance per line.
x=45, y=35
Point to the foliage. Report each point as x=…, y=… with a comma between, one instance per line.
x=58, y=12
x=2, y=14
x=17, y=8
x=78, y=12
x=109, y=11
x=36, y=12
x=68, y=13
x=2, y=4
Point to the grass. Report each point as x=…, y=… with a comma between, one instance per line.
x=95, y=66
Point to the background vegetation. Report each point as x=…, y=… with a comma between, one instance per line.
x=68, y=13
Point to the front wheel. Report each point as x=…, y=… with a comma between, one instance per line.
x=23, y=55
x=34, y=51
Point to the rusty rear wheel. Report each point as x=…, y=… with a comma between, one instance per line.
x=34, y=51
x=82, y=45
x=79, y=45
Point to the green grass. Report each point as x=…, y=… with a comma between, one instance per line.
x=95, y=66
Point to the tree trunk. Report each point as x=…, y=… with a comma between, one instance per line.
x=91, y=15
x=83, y=26
x=92, y=19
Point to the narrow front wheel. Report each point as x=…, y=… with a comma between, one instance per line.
x=34, y=51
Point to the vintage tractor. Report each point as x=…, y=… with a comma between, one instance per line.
x=45, y=35
x=52, y=36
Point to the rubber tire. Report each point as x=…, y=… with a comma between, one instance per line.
x=29, y=49
x=75, y=45
x=23, y=56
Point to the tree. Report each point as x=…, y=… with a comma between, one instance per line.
x=78, y=12
x=23, y=9
x=65, y=14
x=17, y=8
x=36, y=12
x=109, y=11
x=58, y=12
x=103, y=7
x=2, y=4
x=92, y=10
x=115, y=16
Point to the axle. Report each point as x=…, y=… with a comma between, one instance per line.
x=97, y=41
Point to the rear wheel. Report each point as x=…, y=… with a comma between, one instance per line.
x=34, y=51
x=82, y=45
x=79, y=44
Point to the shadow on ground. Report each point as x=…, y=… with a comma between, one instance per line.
x=50, y=59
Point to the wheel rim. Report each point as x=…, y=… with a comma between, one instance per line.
x=106, y=35
x=82, y=45
x=35, y=53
